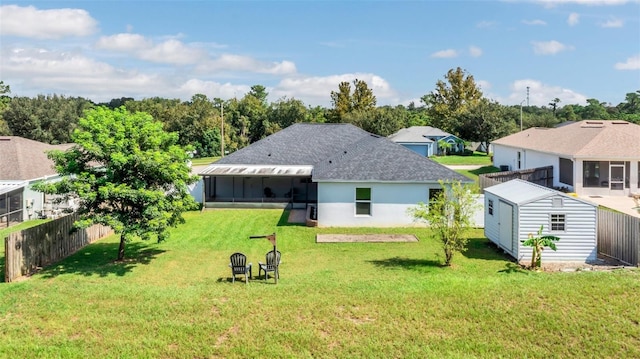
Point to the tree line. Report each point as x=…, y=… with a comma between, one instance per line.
x=456, y=105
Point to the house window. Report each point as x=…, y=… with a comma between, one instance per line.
x=363, y=201
x=490, y=207
x=434, y=193
x=566, y=171
x=519, y=160
x=558, y=222
x=591, y=176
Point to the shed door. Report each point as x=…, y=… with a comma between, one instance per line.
x=506, y=226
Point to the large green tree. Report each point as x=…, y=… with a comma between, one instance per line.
x=361, y=100
x=451, y=98
x=127, y=172
x=484, y=122
x=49, y=119
x=5, y=90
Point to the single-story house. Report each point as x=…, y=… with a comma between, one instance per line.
x=22, y=163
x=350, y=176
x=517, y=208
x=599, y=158
x=424, y=140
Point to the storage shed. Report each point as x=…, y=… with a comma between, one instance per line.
x=517, y=208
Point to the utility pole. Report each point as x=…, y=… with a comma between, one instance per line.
x=521, y=102
x=222, y=129
x=527, y=96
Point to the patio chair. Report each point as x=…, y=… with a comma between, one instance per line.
x=239, y=266
x=270, y=265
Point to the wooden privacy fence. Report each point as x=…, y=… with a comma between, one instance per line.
x=618, y=236
x=36, y=247
x=540, y=175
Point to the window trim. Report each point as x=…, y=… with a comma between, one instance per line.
x=490, y=207
x=363, y=201
x=560, y=219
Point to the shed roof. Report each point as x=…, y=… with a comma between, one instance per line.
x=25, y=159
x=583, y=139
x=522, y=192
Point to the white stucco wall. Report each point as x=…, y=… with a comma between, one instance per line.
x=389, y=203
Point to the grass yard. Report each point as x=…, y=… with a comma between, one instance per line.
x=474, y=174
x=203, y=161
x=334, y=300
x=478, y=158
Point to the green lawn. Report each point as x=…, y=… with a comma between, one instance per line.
x=351, y=300
x=474, y=174
x=203, y=161
x=478, y=158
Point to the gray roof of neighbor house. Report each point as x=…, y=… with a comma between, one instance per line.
x=24, y=159
x=583, y=139
x=417, y=134
x=337, y=152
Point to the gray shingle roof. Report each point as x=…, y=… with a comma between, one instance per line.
x=341, y=152
x=417, y=134
x=24, y=159
x=378, y=159
x=298, y=144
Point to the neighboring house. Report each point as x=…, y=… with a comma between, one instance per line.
x=22, y=163
x=354, y=178
x=598, y=158
x=517, y=208
x=424, y=140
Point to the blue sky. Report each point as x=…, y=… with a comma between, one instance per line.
x=569, y=49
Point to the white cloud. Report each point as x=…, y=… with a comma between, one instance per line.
x=475, y=51
x=483, y=85
x=231, y=62
x=45, y=24
x=211, y=89
x=445, y=54
x=170, y=51
x=74, y=74
x=534, y=22
x=124, y=43
x=573, y=19
x=612, y=23
x=632, y=63
x=317, y=89
x=540, y=94
x=549, y=47
x=485, y=24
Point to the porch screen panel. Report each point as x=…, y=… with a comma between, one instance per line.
x=566, y=171
x=595, y=174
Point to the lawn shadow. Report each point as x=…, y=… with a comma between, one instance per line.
x=482, y=248
x=255, y=280
x=99, y=259
x=284, y=220
x=406, y=263
x=513, y=267
x=2, y=261
x=484, y=169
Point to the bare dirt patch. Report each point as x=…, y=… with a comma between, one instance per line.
x=365, y=238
